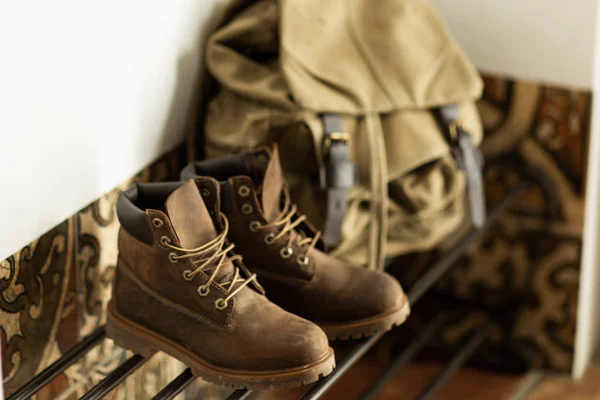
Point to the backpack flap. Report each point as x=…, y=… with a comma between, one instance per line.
x=355, y=57
x=243, y=56
x=392, y=59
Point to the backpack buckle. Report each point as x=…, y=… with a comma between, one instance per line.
x=333, y=137
x=337, y=171
x=453, y=127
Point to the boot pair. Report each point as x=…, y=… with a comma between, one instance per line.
x=181, y=288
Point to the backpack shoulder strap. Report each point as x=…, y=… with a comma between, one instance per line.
x=468, y=158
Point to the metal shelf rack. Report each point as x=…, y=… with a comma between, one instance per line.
x=359, y=349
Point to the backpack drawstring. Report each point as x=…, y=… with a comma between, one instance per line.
x=378, y=226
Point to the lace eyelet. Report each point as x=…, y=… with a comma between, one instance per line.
x=165, y=240
x=205, y=192
x=243, y=190
x=302, y=260
x=254, y=226
x=187, y=275
x=247, y=209
x=220, y=304
x=286, y=252
x=157, y=222
x=270, y=238
x=172, y=258
x=262, y=158
x=203, y=290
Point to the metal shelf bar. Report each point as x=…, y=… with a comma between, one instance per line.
x=240, y=394
x=418, y=290
x=117, y=376
x=405, y=357
x=57, y=367
x=176, y=386
x=318, y=389
x=443, y=265
x=465, y=352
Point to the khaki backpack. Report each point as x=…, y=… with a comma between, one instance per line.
x=363, y=99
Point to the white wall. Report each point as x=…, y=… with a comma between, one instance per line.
x=540, y=40
x=588, y=312
x=90, y=93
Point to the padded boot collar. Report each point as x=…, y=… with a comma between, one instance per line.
x=139, y=197
x=251, y=163
x=133, y=202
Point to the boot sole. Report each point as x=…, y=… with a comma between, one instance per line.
x=140, y=340
x=368, y=326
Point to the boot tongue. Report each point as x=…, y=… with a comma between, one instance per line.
x=189, y=216
x=272, y=187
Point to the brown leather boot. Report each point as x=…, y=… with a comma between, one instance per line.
x=282, y=248
x=180, y=289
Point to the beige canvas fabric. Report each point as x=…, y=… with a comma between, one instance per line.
x=382, y=65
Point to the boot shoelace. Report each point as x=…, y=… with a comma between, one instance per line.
x=204, y=258
x=285, y=223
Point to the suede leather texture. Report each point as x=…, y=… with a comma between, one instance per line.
x=250, y=334
x=326, y=290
